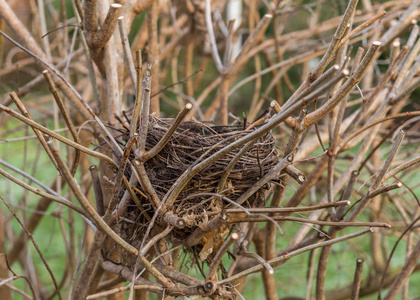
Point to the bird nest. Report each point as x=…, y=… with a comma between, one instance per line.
x=190, y=144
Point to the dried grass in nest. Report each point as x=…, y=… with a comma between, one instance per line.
x=191, y=143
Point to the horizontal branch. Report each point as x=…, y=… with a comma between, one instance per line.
x=256, y=218
x=30, y=188
x=282, y=209
x=57, y=136
x=280, y=260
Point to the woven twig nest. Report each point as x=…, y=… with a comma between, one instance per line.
x=191, y=143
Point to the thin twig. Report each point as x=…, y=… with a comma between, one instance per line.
x=282, y=209
x=254, y=218
x=219, y=255
x=59, y=137
x=66, y=116
x=58, y=199
x=38, y=134
x=72, y=89
x=128, y=58
x=280, y=260
x=36, y=247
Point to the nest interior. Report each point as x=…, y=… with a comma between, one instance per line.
x=191, y=143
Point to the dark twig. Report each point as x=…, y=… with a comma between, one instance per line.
x=97, y=188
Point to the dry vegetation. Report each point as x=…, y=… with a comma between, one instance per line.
x=293, y=112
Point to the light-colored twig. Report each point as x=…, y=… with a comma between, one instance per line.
x=147, y=82
x=99, y=38
x=128, y=58
x=280, y=260
x=210, y=31
x=357, y=279
x=347, y=86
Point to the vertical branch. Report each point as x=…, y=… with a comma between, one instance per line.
x=229, y=41
x=66, y=116
x=225, y=84
x=90, y=15
x=335, y=135
x=128, y=58
x=139, y=94
x=152, y=26
x=104, y=38
x=146, y=184
x=395, y=49
x=81, y=289
x=322, y=266
x=189, y=57
x=403, y=276
x=145, y=109
x=365, y=200
x=223, y=94
x=97, y=188
x=214, y=266
x=310, y=273
x=357, y=279
x=4, y=290
x=212, y=38
x=45, y=38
